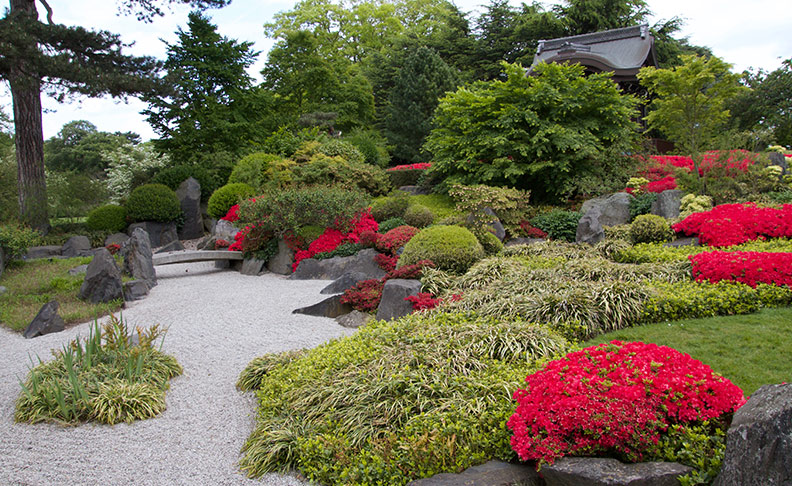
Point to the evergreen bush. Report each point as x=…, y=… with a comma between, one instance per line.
x=558, y=224
x=419, y=216
x=228, y=195
x=153, y=202
x=110, y=217
x=452, y=248
x=650, y=228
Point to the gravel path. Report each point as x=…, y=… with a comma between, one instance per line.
x=218, y=321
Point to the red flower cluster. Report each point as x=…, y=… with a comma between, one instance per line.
x=239, y=239
x=220, y=244
x=113, y=248
x=423, y=301
x=748, y=267
x=530, y=231
x=366, y=295
x=331, y=238
x=661, y=167
x=733, y=224
x=396, y=238
x=386, y=262
x=421, y=166
x=232, y=215
x=657, y=186
x=614, y=398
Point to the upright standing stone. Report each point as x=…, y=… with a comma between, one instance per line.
x=102, y=279
x=189, y=193
x=160, y=234
x=614, y=209
x=282, y=262
x=393, y=305
x=667, y=204
x=138, y=259
x=46, y=321
x=589, y=229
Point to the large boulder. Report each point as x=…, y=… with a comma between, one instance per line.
x=76, y=246
x=393, y=305
x=172, y=246
x=589, y=229
x=614, y=209
x=333, y=268
x=102, y=280
x=135, y=290
x=667, y=204
x=282, y=262
x=160, y=234
x=46, y=321
x=599, y=471
x=778, y=159
x=46, y=251
x=330, y=307
x=354, y=319
x=759, y=441
x=138, y=258
x=225, y=230
x=492, y=473
x=345, y=281
x=116, y=239
x=189, y=194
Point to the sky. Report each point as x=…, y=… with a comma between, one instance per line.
x=747, y=35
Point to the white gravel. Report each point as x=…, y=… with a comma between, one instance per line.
x=218, y=321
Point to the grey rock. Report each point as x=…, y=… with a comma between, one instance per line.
x=330, y=307
x=253, y=266
x=138, y=259
x=524, y=241
x=47, y=251
x=345, y=281
x=78, y=270
x=759, y=441
x=354, y=319
x=494, y=223
x=393, y=305
x=778, y=159
x=135, y=290
x=102, y=280
x=46, y=321
x=689, y=241
x=492, y=473
x=207, y=243
x=189, y=194
x=589, y=228
x=76, y=246
x=160, y=234
x=614, y=209
x=598, y=471
x=415, y=190
x=172, y=246
x=667, y=204
x=333, y=268
x=116, y=239
x=225, y=230
x=282, y=262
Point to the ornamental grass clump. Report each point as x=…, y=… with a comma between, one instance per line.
x=396, y=401
x=615, y=399
x=104, y=378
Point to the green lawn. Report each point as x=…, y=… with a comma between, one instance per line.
x=751, y=350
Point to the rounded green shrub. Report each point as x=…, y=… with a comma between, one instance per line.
x=391, y=223
x=393, y=206
x=153, y=202
x=419, y=216
x=173, y=177
x=650, y=228
x=558, y=224
x=451, y=248
x=334, y=147
x=110, y=217
x=253, y=169
x=491, y=244
x=228, y=195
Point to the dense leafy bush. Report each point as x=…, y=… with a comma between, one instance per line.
x=110, y=217
x=342, y=250
x=371, y=144
x=616, y=398
x=390, y=223
x=693, y=300
x=259, y=168
x=510, y=205
x=408, y=175
x=650, y=228
x=332, y=237
x=558, y=224
x=691, y=203
x=324, y=169
x=15, y=239
x=641, y=204
x=419, y=216
x=396, y=238
x=334, y=147
x=491, y=244
x=225, y=197
x=384, y=405
x=110, y=382
x=153, y=202
x=73, y=195
x=174, y=175
x=451, y=248
x=393, y=206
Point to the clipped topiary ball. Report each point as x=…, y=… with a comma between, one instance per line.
x=110, y=217
x=153, y=202
x=451, y=248
x=419, y=216
x=650, y=228
x=393, y=206
x=491, y=244
x=228, y=195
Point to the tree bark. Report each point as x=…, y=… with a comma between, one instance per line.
x=25, y=86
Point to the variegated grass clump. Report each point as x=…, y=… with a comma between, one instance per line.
x=106, y=377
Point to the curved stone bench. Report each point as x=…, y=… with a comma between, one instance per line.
x=195, y=256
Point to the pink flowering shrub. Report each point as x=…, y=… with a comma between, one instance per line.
x=615, y=398
x=733, y=224
x=396, y=238
x=421, y=166
x=748, y=267
x=332, y=237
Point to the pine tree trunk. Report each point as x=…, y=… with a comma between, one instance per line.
x=25, y=86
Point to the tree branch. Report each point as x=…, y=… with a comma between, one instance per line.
x=49, y=11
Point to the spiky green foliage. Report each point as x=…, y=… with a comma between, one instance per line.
x=396, y=401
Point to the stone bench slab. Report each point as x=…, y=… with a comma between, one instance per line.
x=195, y=256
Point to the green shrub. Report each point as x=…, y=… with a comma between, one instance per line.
x=692, y=203
x=174, y=175
x=558, y=224
x=405, y=177
x=371, y=144
x=452, y=248
x=309, y=233
x=260, y=168
x=110, y=217
x=72, y=194
x=315, y=167
x=701, y=446
x=390, y=223
x=394, y=402
x=509, y=204
x=642, y=204
x=225, y=197
x=693, y=300
x=441, y=205
x=393, y=206
x=153, y=202
x=15, y=239
x=650, y=228
x=342, y=250
x=491, y=244
x=333, y=147
x=418, y=216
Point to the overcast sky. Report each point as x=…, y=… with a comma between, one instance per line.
x=746, y=34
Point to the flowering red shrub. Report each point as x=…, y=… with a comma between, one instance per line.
x=423, y=301
x=396, y=238
x=414, y=271
x=614, y=399
x=220, y=244
x=369, y=238
x=659, y=169
x=733, y=224
x=748, y=267
x=365, y=296
x=239, y=239
x=113, y=248
x=421, y=166
x=531, y=231
x=232, y=215
x=386, y=262
x=332, y=237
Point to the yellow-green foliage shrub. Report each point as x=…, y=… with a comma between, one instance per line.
x=491, y=244
x=418, y=216
x=650, y=228
x=259, y=169
x=691, y=203
x=393, y=206
x=452, y=248
x=228, y=195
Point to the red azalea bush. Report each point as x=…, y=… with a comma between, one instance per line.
x=365, y=296
x=615, y=398
x=423, y=301
x=232, y=214
x=331, y=238
x=396, y=238
x=386, y=262
x=733, y=224
x=531, y=231
x=748, y=267
x=220, y=244
x=659, y=169
x=421, y=166
x=113, y=248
